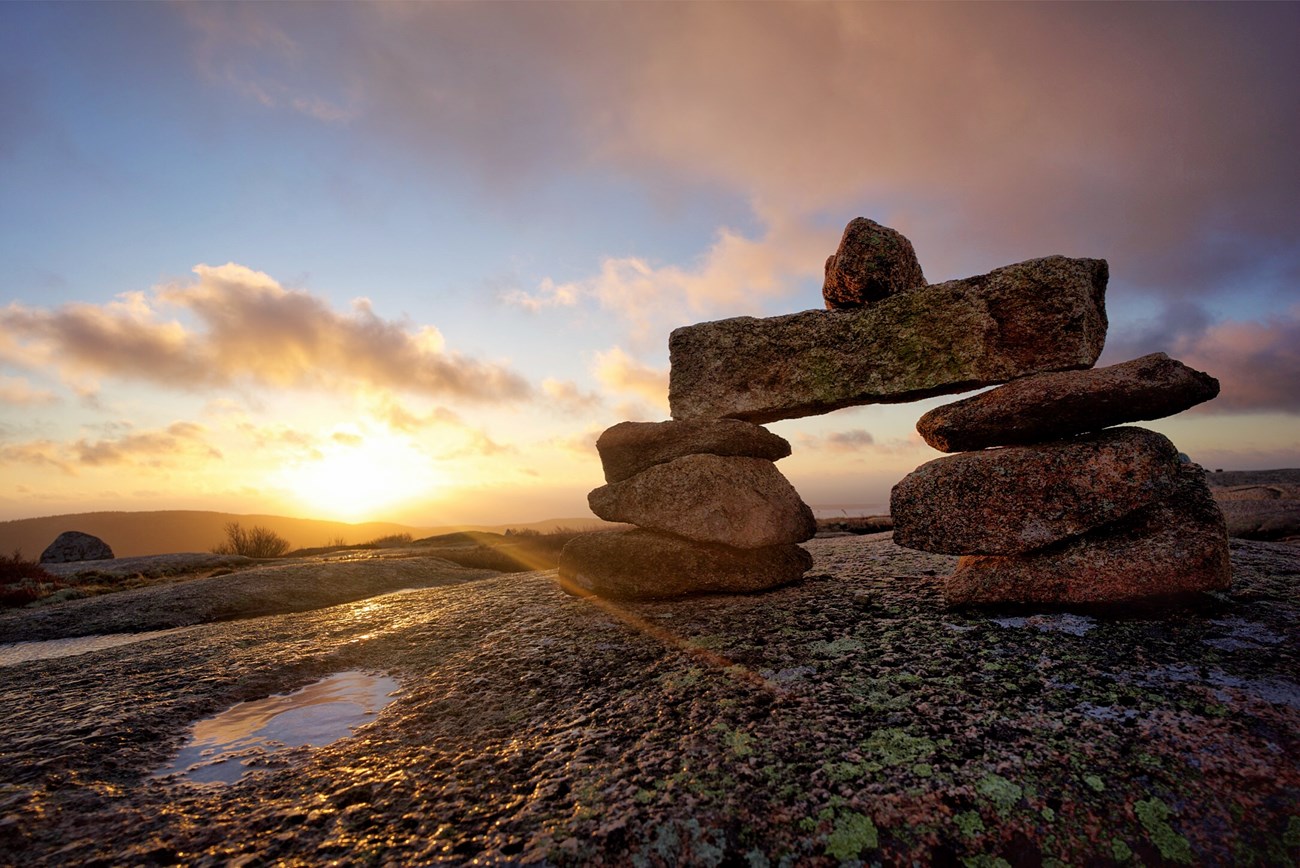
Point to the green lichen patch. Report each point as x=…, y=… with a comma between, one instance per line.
x=1154, y=816
x=853, y=835
x=1001, y=792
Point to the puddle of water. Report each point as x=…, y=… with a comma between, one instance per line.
x=23, y=652
x=224, y=748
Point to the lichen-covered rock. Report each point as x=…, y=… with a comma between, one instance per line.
x=872, y=262
x=1175, y=547
x=741, y=502
x=73, y=545
x=1020, y=498
x=1054, y=405
x=630, y=447
x=849, y=713
x=643, y=565
x=1042, y=315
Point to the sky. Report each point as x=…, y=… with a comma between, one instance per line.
x=406, y=261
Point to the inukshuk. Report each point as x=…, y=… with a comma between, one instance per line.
x=1065, y=516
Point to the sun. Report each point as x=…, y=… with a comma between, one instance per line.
x=359, y=477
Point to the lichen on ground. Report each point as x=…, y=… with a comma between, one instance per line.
x=850, y=718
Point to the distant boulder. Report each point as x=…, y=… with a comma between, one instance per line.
x=73, y=545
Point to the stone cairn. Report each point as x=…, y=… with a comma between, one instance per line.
x=1047, y=502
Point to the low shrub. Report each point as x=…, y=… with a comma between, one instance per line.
x=393, y=539
x=258, y=542
x=15, y=567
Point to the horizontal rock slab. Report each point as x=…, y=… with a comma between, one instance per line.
x=1019, y=498
x=642, y=565
x=1176, y=547
x=630, y=447
x=741, y=502
x=1262, y=519
x=1055, y=405
x=1041, y=315
x=871, y=263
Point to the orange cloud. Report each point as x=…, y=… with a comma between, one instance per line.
x=1257, y=363
x=732, y=274
x=1019, y=129
x=18, y=391
x=253, y=330
x=619, y=372
x=566, y=395
x=179, y=444
x=160, y=448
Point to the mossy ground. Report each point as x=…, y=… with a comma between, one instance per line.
x=848, y=719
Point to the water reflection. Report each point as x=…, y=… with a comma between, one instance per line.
x=224, y=748
x=22, y=652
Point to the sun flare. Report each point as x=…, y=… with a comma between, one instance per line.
x=359, y=477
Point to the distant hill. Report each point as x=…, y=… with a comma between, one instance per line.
x=158, y=533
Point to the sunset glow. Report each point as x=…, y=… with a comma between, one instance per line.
x=355, y=478
x=406, y=262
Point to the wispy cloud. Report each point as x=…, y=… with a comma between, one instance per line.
x=20, y=392
x=1257, y=363
x=621, y=373
x=1114, y=130
x=252, y=330
x=732, y=275
x=567, y=396
x=179, y=444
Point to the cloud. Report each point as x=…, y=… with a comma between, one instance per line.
x=566, y=395
x=37, y=453
x=18, y=391
x=1257, y=363
x=159, y=448
x=734, y=274
x=179, y=444
x=619, y=372
x=1160, y=136
x=252, y=330
x=858, y=442
x=452, y=436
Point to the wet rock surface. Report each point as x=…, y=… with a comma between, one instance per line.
x=1020, y=498
x=850, y=716
x=295, y=586
x=1044, y=314
x=1060, y=404
x=630, y=447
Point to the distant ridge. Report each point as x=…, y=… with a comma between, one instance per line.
x=162, y=532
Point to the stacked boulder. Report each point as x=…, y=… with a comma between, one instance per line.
x=1048, y=503
x=712, y=513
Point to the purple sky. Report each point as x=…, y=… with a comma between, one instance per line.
x=407, y=261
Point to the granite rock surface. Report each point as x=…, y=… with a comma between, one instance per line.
x=1042, y=315
x=849, y=716
x=73, y=545
x=1175, y=547
x=871, y=263
x=643, y=565
x=1050, y=406
x=740, y=502
x=1019, y=498
x=630, y=447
